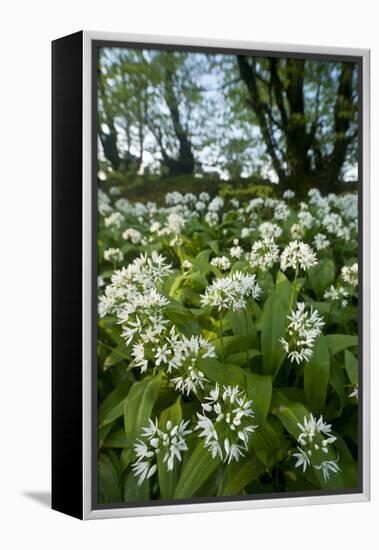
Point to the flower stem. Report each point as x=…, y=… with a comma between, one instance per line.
x=247, y=331
x=221, y=335
x=294, y=287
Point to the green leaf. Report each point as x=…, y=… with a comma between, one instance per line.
x=222, y=373
x=237, y=475
x=196, y=471
x=273, y=328
x=133, y=491
x=339, y=342
x=108, y=480
x=168, y=479
x=316, y=375
x=232, y=344
x=139, y=404
x=289, y=413
x=113, y=405
x=120, y=353
x=351, y=366
x=269, y=444
x=259, y=389
x=321, y=275
x=243, y=357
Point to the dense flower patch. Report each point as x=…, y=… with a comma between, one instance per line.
x=227, y=346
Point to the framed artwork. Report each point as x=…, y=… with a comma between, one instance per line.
x=210, y=275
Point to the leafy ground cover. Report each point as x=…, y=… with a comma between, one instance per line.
x=227, y=345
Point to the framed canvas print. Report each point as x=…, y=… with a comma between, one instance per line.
x=210, y=275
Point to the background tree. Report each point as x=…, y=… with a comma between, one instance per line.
x=307, y=115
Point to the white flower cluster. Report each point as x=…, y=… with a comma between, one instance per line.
x=303, y=328
x=132, y=235
x=171, y=442
x=270, y=230
x=114, y=255
x=221, y=262
x=314, y=441
x=134, y=298
x=187, y=354
x=264, y=254
x=320, y=241
x=349, y=274
x=297, y=255
x=231, y=292
x=337, y=294
x=115, y=219
x=226, y=423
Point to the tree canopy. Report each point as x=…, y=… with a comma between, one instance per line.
x=174, y=113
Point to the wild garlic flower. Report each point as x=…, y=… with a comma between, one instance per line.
x=245, y=232
x=288, y=194
x=349, y=274
x=354, y=393
x=321, y=242
x=200, y=206
x=216, y=204
x=314, y=443
x=188, y=352
x=297, y=231
x=116, y=219
x=334, y=224
x=226, y=423
x=132, y=235
x=103, y=203
x=303, y=328
x=221, y=262
x=328, y=466
x=306, y=220
x=143, y=316
x=211, y=218
x=114, y=191
x=170, y=442
x=236, y=251
x=297, y=255
x=269, y=230
x=264, y=254
x=113, y=255
x=231, y=292
x=337, y=294
x=186, y=264
x=281, y=211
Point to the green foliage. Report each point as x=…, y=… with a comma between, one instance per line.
x=152, y=406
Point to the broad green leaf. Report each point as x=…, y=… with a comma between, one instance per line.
x=339, y=342
x=139, y=404
x=108, y=480
x=168, y=479
x=118, y=440
x=135, y=492
x=290, y=414
x=283, y=289
x=269, y=444
x=273, y=328
x=196, y=471
x=120, y=353
x=237, y=475
x=321, y=275
x=222, y=373
x=113, y=405
x=316, y=375
x=351, y=366
x=259, y=389
x=243, y=357
x=241, y=324
x=232, y=344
